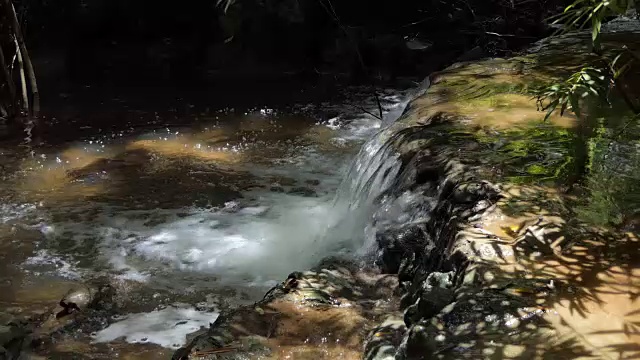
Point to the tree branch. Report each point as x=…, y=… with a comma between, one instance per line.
x=23, y=80
x=17, y=32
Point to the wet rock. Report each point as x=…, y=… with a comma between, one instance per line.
x=407, y=268
x=278, y=189
x=13, y=337
x=473, y=192
x=383, y=340
x=86, y=296
x=27, y=355
x=419, y=343
x=283, y=181
x=440, y=280
x=437, y=292
x=303, y=191
x=316, y=314
x=397, y=244
x=428, y=305
x=6, y=334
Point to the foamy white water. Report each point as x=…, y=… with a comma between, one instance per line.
x=168, y=327
x=252, y=245
x=255, y=240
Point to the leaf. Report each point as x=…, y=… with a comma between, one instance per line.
x=596, y=25
x=615, y=59
x=563, y=108
x=619, y=7
x=552, y=107
x=225, y=4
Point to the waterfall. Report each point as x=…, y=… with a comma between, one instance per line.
x=370, y=176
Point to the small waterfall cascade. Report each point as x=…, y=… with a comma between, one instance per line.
x=370, y=176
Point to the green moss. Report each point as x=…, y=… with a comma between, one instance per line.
x=534, y=153
x=613, y=180
x=537, y=169
x=492, y=121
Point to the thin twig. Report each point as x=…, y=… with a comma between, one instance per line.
x=366, y=111
x=375, y=93
x=214, y=351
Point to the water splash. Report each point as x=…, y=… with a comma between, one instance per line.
x=372, y=174
x=268, y=232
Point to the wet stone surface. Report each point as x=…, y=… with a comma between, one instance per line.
x=320, y=314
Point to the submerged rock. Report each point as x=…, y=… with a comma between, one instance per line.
x=84, y=297
x=319, y=314
x=15, y=337
x=303, y=191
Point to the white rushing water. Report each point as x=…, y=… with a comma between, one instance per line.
x=167, y=327
x=255, y=240
x=252, y=241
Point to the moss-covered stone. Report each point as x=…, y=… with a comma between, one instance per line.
x=533, y=280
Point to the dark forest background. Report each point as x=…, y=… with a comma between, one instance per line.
x=197, y=41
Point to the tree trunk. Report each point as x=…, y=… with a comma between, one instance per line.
x=30, y=73
x=7, y=77
x=23, y=81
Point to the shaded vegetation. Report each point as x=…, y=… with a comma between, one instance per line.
x=534, y=154
x=614, y=179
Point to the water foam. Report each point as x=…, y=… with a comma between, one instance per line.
x=249, y=244
x=168, y=327
x=43, y=262
x=259, y=239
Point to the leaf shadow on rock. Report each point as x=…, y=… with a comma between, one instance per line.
x=581, y=279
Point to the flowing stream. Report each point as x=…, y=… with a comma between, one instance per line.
x=220, y=209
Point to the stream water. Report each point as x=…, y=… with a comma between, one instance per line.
x=190, y=215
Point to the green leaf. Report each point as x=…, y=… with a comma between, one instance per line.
x=596, y=25
x=552, y=107
x=615, y=60
x=619, y=6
